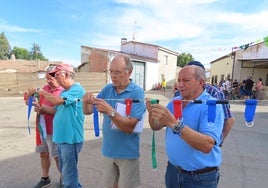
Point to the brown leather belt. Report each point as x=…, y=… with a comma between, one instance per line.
x=200, y=171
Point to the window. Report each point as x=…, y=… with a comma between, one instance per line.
x=166, y=60
x=212, y=80
x=222, y=77
x=216, y=80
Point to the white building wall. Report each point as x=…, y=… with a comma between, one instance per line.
x=221, y=67
x=167, y=67
x=140, y=49
x=258, y=51
x=85, y=53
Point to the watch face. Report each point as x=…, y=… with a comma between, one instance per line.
x=112, y=114
x=177, y=128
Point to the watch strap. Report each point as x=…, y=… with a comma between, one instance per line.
x=178, y=127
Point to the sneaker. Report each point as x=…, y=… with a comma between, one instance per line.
x=43, y=183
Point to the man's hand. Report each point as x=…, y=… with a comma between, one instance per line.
x=31, y=91
x=102, y=106
x=162, y=115
x=88, y=98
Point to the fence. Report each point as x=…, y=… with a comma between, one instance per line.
x=14, y=84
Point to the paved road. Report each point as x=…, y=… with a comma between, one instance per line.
x=245, y=161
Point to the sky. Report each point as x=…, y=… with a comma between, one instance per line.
x=207, y=29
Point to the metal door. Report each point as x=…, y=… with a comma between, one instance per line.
x=137, y=75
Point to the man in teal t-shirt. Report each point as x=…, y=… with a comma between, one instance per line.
x=68, y=131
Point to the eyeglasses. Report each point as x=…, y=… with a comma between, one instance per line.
x=111, y=72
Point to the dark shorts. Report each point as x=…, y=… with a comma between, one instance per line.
x=247, y=92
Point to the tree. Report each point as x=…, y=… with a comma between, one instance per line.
x=20, y=53
x=183, y=59
x=4, y=47
x=36, y=53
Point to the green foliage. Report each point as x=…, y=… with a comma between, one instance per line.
x=36, y=53
x=4, y=47
x=20, y=53
x=183, y=59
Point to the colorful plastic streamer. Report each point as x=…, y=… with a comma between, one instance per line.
x=154, y=162
x=41, y=131
x=30, y=105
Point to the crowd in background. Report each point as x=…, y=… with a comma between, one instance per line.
x=246, y=89
x=234, y=90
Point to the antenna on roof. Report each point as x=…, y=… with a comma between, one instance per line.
x=134, y=33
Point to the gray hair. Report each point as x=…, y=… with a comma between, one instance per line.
x=129, y=63
x=200, y=74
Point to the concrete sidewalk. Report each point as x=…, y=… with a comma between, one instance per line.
x=245, y=161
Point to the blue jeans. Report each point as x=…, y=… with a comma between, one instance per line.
x=68, y=159
x=174, y=178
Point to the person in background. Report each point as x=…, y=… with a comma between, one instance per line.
x=259, y=87
x=192, y=143
x=164, y=85
x=235, y=89
x=216, y=93
x=177, y=93
x=242, y=89
x=120, y=147
x=68, y=122
x=226, y=88
x=48, y=149
x=176, y=90
x=235, y=84
x=249, y=83
x=175, y=87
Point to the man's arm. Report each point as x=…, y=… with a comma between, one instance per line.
x=164, y=117
x=88, y=103
x=228, y=124
x=54, y=100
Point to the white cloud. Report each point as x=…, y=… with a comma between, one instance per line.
x=13, y=28
x=193, y=26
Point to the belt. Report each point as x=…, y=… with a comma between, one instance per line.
x=199, y=171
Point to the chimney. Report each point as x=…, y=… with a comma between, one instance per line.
x=13, y=57
x=123, y=40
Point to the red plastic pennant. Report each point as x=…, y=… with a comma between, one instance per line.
x=128, y=106
x=177, y=105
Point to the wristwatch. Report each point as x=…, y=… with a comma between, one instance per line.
x=178, y=127
x=112, y=114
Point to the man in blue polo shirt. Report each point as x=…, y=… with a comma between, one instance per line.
x=192, y=143
x=219, y=95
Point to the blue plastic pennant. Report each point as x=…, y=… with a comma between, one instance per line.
x=96, y=121
x=30, y=105
x=250, y=111
x=211, y=110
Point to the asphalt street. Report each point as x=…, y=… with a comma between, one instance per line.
x=245, y=161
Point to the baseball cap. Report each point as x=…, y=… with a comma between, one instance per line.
x=197, y=63
x=62, y=67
